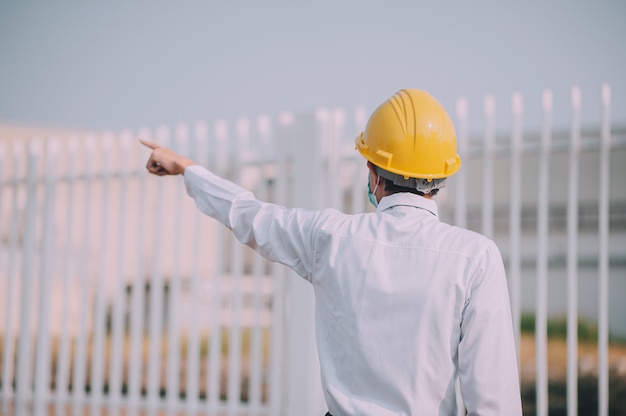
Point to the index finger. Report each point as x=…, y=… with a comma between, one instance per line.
x=151, y=145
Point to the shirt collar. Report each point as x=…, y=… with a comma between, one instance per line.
x=408, y=199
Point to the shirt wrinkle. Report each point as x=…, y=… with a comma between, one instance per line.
x=399, y=315
x=476, y=268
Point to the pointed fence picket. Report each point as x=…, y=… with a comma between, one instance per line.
x=117, y=295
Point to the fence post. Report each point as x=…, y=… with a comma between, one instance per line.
x=572, y=258
x=603, y=255
x=236, y=271
x=99, y=320
x=8, y=344
x=42, y=373
x=155, y=317
x=515, y=213
x=219, y=162
x=136, y=307
x=28, y=262
x=280, y=342
x=63, y=357
x=258, y=293
x=303, y=377
x=541, y=307
x=119, y=301
x=80, y=359
x=4, y=386
x=488, y=161
x=192, y=364
x=460, y=206
x=334, y=186
x=360, y=170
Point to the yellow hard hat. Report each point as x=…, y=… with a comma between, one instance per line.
x=412, y=136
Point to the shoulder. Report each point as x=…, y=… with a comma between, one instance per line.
x=334, y=219
x=470, y=243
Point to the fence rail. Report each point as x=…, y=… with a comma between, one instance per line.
x=116, y=294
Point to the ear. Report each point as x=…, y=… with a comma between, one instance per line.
x=372, y=174
x=371, y=167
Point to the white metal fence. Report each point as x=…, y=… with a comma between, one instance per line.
x=116, y=295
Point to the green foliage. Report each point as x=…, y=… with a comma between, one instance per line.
x=587, y=396
x=557, y=327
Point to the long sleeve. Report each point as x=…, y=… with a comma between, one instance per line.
x=487, y=361
x=374, y=272
x=279, y=234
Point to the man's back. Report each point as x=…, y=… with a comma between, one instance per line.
x=392, y=293
x=404, y=303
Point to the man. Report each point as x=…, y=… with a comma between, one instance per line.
x=405, y=304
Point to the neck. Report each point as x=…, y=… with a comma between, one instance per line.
x=427, y=196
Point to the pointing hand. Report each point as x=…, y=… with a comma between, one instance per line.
x=164, y=161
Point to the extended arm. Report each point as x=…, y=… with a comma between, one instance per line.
x=279, y=234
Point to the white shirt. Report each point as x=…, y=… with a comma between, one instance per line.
x=405, y=304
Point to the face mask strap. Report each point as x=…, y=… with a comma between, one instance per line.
x=370, y=194
x=377, y=182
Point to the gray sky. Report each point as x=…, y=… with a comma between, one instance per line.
x=130, y=64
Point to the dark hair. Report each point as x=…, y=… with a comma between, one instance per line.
x=391, y=188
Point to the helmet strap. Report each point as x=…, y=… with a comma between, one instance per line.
x=421, y=184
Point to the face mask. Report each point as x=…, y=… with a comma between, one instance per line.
x=371, y=193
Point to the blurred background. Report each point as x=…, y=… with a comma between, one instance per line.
x=271, y=94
